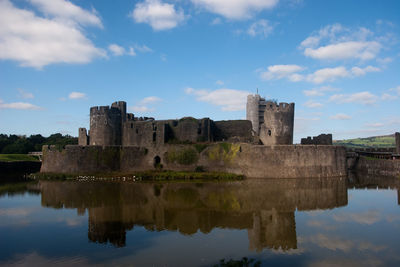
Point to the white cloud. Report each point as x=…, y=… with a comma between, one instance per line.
x=345, y=50
x=160, y=16
x=227, y=99
x=386, y=96
x=365, y=98
x=116, y=49
x=142, y=109
x=327, y=75
x=385, y=60
x=335, y=42
x=25, y=95
x=143, y=48
x=291, y=72
x=357, y=71
x=18, y=105
x=282, y=71
x=396, y=89
x=76, y=95
x=261, y=27
x=340, y=116
x=37, y=41
x=235, y=9
x=312, y=104
x=143, y=105
x=65, y=10
x=219, y=82
x=319, y=91
x=150, y=99
x=374, y=125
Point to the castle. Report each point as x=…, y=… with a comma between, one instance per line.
x=261, y=146
x=267, y=122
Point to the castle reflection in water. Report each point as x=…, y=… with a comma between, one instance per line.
x=266, y=208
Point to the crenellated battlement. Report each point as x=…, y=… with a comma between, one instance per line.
x=282, y=107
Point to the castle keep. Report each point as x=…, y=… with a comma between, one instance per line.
x=259, y=147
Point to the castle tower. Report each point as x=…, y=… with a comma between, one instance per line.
x=106, y=124
x=254, y=112
x=83, y=139
x=278, y=125
x=397, y=138
x=273, y=122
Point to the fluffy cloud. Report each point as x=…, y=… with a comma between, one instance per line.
x=345, y=50
x=312, y=104
x=319, y=91
x=25, y=95
x=282, y=71
x=340, y=116
x=76, y=95
x=150, y=99
x=335, y=42
x=37, y=41
x=142, y=109
x=327, y=75
x=357, y=71
x=291, y=72
x=227, y=99
x=365, y=98
x=65, y=10
x=260, y=28
x=18, y=105
x=235, y=9
x=160, y=16
x=117, y=50
x=143, y=105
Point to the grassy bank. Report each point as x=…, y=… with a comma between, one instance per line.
x=140, y=176
x=17, y=157
x=375, y=141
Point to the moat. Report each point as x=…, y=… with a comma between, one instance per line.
x=301, y=222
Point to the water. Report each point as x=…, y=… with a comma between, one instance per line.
x=294, y=222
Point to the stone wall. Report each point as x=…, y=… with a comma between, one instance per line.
x=397, y=138
x=250, y=160
x=381, y=167
x=232, y=131
x=322, y=139
x=143, y=133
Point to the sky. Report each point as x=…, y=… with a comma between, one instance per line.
x=338, y=61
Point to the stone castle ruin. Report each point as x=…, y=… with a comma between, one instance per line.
x=268, y=123
x=261, y=146
x=113, y=126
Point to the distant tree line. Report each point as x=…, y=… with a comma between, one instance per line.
x=17, y=144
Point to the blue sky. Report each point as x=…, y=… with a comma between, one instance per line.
x=337, y=60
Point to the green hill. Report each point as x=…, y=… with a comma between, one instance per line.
x=373, y=141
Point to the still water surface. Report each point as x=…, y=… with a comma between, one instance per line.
x=294, y=222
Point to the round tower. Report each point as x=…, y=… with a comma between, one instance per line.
x=105, y=126
x=278, y=125
x=252, y=112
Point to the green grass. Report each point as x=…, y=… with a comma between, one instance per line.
x=374, y=141
x=17, y=157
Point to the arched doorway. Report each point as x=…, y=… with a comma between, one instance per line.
x=157, y=162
